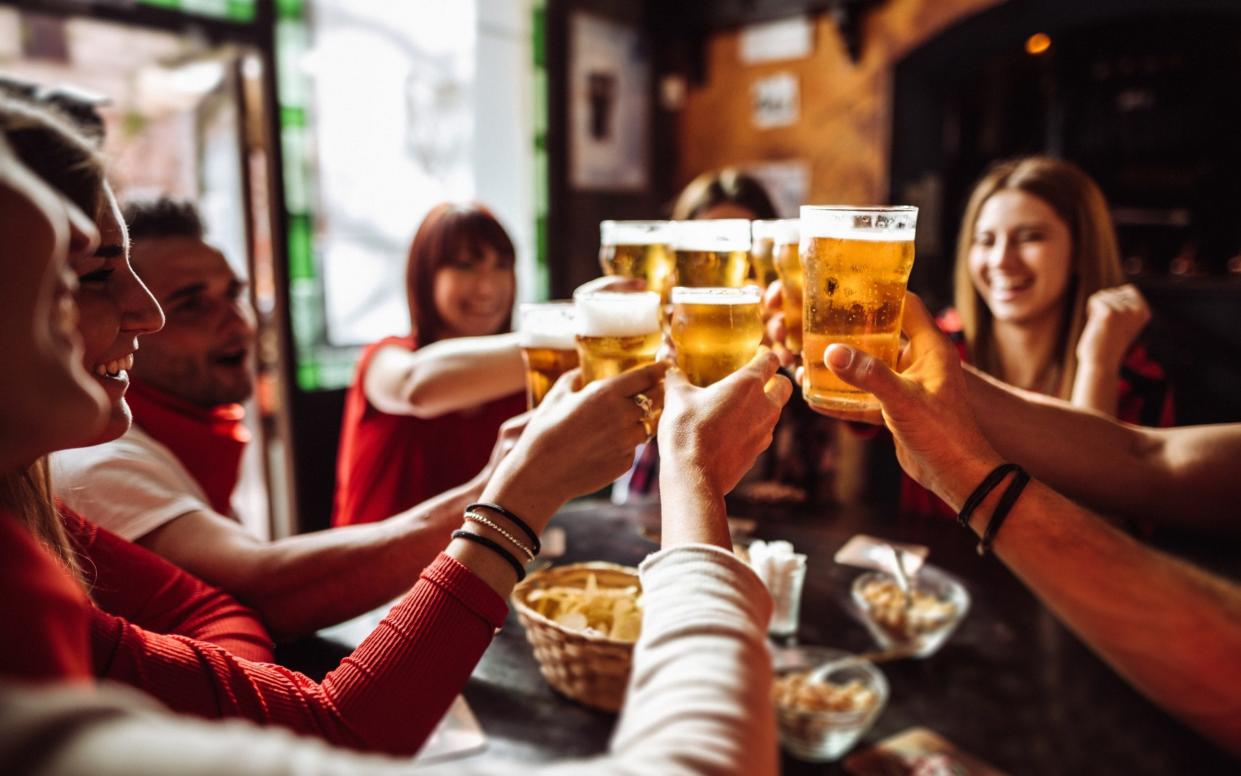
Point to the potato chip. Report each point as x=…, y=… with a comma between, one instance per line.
x=611, y=612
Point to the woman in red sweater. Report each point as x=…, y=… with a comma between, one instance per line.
x=72, y=385
x=457, y=375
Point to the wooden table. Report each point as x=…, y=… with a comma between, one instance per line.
x=1012, y=686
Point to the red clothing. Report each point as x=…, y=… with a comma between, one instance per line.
x=388, y=463
x=45, y=613
x=131, y=582
x=387, y=696
x=209, y=442
x=1143, y=398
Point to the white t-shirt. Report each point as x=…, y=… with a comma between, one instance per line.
x=134, y=484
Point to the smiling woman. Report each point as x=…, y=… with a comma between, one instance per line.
x=424, y=409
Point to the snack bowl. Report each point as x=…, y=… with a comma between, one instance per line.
x=939, y=604
x=825, y=700
x=578, y=660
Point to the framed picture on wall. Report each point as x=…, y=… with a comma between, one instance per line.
x=609, y=104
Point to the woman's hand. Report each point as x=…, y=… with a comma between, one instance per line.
x=575, y=443
x=775, y=325
x=926, y=407
x=708, y=439
x=1114, y=319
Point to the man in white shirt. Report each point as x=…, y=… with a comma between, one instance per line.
x=168, y=484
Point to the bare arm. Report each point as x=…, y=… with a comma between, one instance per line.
x=444, y=376
x=1185, y=476
x=307, y=582
x=1095, y=387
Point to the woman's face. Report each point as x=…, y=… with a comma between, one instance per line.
x=1021, y=257
x=116, y=308
x=474, y=293
x=47, y=401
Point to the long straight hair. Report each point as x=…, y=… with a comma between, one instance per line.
x=447, y=230
x=51, y=147
x=1095, y=261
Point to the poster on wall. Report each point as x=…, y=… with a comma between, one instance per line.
x=609, y=104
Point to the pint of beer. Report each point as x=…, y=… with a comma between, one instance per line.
x=616, y=332
x=762, y=251
x=785, y=238
x=716, y=331
x=638, y=249
x=856, y=263
x=548, y=346
x=712, y=253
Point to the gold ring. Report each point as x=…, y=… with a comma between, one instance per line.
x=645, y=404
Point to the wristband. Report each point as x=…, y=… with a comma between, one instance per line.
x=514, y=519
x=982, y=491
x=1020, y=479
x=470, y=536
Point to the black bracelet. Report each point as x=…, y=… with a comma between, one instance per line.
x=461, y=533
x=984, y=488
x=1002, y=509
x=512, y=518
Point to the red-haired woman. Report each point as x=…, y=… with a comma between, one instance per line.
x=424, y=409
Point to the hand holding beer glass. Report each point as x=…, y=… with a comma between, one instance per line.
x=715, y=331
x=856, y=264
x=638, y=249
x=786, y=238
x=763, y=236
x=548, y=346
x=712, y=253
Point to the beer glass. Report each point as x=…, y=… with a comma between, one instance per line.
x=762, y=251
x=712, y=253
x=715, y=331
x=785, y=238
x=856, y=264
x=638, y=249
x=616, y=331
x=548, y=346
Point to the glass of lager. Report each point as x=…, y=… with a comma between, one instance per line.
x=548, y=346
x=638, y=249
x=762, y=251
x=856, y=263
x=616, y=331
x=712, y=253
x=786, y=235
x=715, y=331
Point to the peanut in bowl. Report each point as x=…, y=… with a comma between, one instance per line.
x=825, y=700
x=917, y=624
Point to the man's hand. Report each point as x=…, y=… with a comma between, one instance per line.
x=1114, y=319
x=926, y=406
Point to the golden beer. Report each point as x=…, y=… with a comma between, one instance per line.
x=616, y=332
x=712, y=253
x=762, y=252
x=548, y=346
x=786, y=235
x=716, y=331
x=856, y=264
x=638, y=249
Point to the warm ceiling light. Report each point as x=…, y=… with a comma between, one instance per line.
x=1038, y=43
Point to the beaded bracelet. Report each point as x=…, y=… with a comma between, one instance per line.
x=1020, y=479
x=470, y=536
x=514, y=519
x=493, y=525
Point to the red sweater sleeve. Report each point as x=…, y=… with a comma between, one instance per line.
x=134, y=584
x=387, y=696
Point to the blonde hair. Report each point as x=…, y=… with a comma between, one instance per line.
x=1095, y=259
x=27, y=495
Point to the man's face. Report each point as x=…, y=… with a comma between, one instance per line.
x=203, y=354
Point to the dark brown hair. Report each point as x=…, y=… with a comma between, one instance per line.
x=447, y=231
x=163, y=217
x=728, y=186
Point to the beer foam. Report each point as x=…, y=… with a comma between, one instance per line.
x=746, y=295
x=724, y=235
x=614, y=314
x=546, y=325
x=842, y=223
x=550, y=340
x=636, y=232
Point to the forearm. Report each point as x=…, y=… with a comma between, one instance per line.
x=453, y=374
x=1171, y=630
x=691, y=513
x=311, y=581
x=1096, y=387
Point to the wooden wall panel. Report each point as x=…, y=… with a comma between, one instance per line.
x=845, y=117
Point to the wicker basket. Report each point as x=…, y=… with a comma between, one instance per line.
x=589, y=669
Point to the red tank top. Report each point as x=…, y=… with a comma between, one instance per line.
x=388, y=463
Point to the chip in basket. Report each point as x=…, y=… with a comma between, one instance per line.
x=614, y=613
